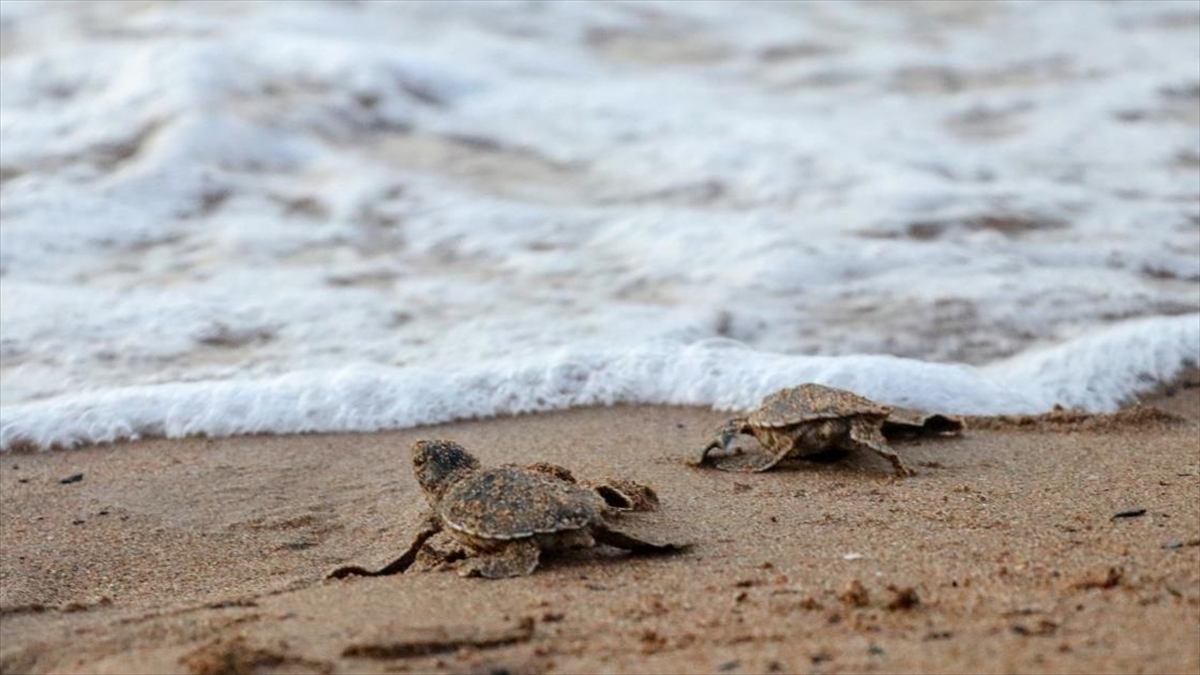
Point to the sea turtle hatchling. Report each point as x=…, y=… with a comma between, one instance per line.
x=505, y=517
x=802, y=421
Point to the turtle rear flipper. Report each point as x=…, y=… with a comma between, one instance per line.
x=867, y=435
x=908, y=423
x=625, y=495
x=553, y=470
x=514, y=559
x=430, y=527
x=641, y=534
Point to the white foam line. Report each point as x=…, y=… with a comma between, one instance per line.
x=1095, y=372
x=1103, y=369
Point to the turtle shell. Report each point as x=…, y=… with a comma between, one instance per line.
x=511, y=502
x=809, y=402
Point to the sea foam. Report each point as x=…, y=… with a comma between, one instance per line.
x=1095, y=372
x=330, y=216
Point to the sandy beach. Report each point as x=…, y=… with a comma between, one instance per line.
x=241, y=238
x=1024, y=543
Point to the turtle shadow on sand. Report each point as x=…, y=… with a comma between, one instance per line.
x=500, y=520
x=812, y=421
x=442, y=552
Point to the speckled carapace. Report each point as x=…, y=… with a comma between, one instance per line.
x=800, y=421
x=503, y=518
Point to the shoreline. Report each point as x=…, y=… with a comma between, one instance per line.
x=1108, y=369
x=207, y=555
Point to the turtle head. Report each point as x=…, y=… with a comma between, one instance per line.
x=729, y=431
x=438, y=463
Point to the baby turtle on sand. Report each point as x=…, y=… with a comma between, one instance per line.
x=802, y=421
x=506, y=516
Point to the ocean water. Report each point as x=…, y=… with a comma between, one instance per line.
x=221, y=218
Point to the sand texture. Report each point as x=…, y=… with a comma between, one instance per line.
x=1045, y=546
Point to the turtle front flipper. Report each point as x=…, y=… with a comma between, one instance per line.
x=721, y=440
x=514, y=559
x=755, y=461
x=866, y=434
x=430, y=527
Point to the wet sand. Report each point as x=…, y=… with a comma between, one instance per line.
x=208, y=556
